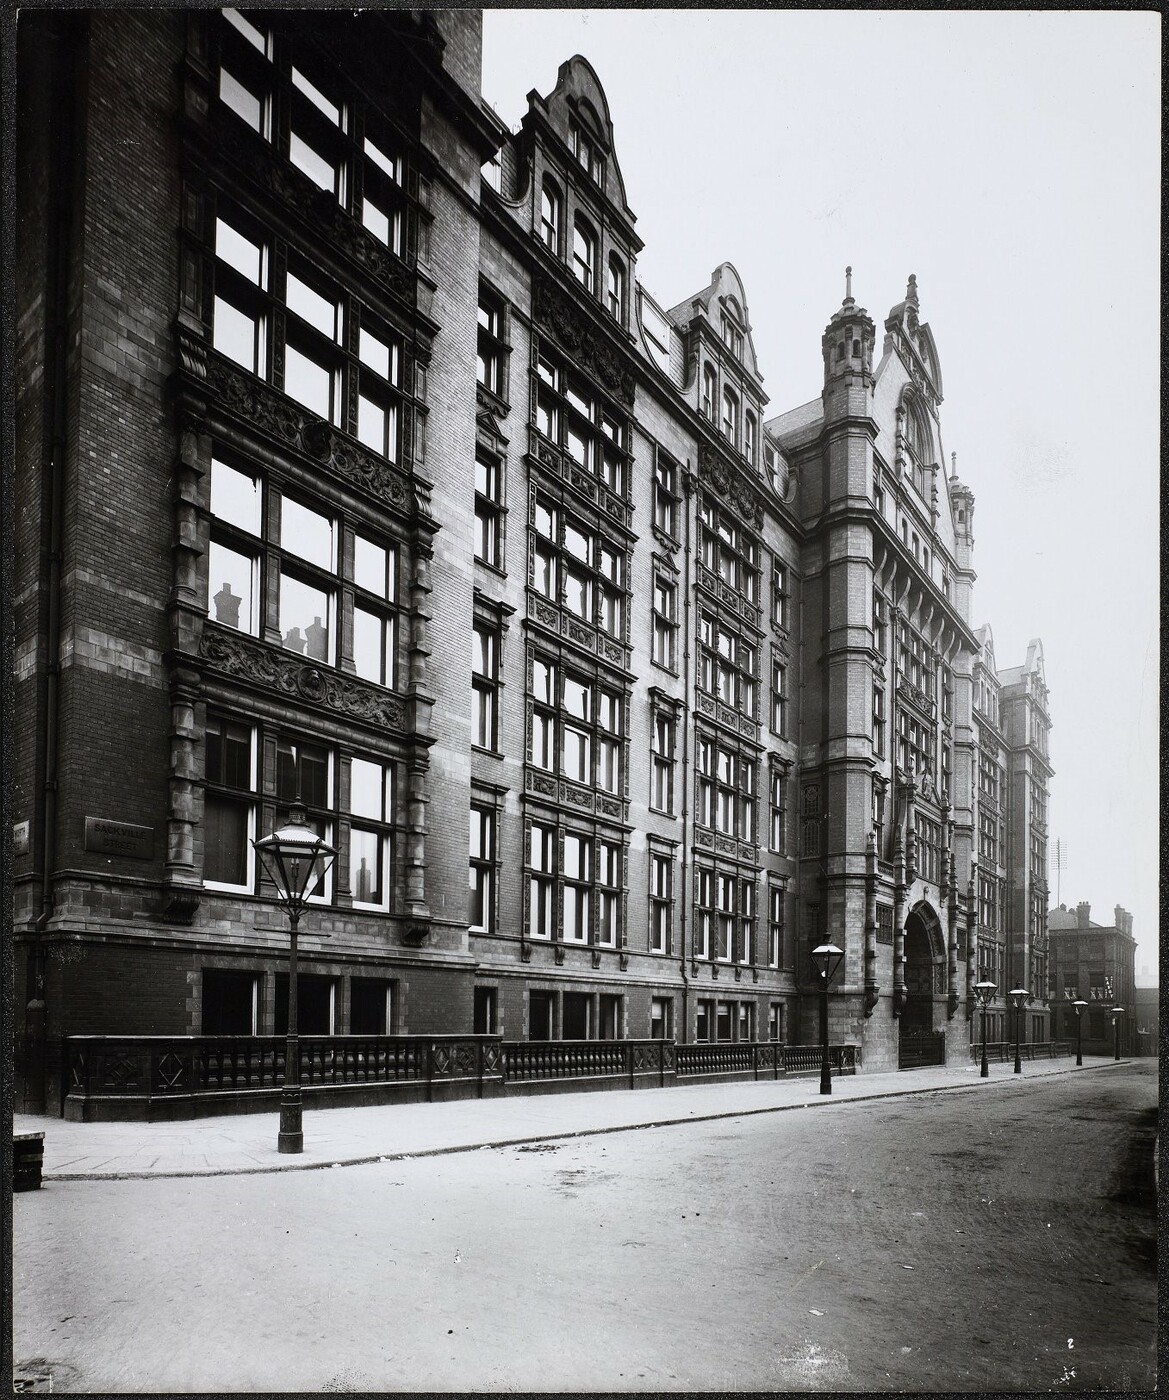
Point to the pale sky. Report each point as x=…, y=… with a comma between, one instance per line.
x=1011, y=161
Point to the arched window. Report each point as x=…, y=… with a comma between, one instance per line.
x=749, y=436
x=617, y=289
x=550, y=215
x=731, y=416
x=584, y=254
x=919, y=444
x=709, y=391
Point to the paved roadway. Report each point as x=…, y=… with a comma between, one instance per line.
x=956, y=1241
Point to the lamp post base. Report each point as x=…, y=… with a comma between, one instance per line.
x=291, y=1136
x=825, y=1080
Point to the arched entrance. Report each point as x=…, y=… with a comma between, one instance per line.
x=923, y=1019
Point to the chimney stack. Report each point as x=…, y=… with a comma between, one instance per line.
x=1083, y=910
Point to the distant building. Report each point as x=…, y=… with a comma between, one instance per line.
x=1148, y=1020
x=356, y=467
x=1095, y=963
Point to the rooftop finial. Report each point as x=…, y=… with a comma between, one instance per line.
x=954, y=465
x=848, y=286
x=911, y=290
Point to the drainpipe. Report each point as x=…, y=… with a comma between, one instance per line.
x=683, y=922
x=60, y=214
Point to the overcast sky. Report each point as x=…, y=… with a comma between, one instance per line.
x=1011, y=161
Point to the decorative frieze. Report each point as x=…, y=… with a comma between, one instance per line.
x=730, y=485
x=584, y=342
x=289, y=674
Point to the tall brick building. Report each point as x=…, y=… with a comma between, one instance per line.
x=356, y=467
x=1095, y=963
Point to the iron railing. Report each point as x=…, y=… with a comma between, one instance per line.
x=1002, y=1050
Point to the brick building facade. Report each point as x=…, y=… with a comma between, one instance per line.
x=355, y=467
x=1095, y=963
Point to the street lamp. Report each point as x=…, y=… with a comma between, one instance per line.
x=1018, y=996
x=1079, y=1005
x=984, y=991
x=1117, y=1013
x=827, y=958
x=297, y=859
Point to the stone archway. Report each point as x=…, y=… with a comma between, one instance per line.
x=925, y=970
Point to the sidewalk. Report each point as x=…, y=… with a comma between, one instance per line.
x=246, y=1142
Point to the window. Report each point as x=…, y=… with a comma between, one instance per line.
x=304, y=773
x=726, y=665
x=541, y=881
x=778, y=812
x=617, y=290
x=746, y=925
x=665, y=625
x=661, y=1018
x=374, y=619
x=578, y=879
x=488, y=509
x=775, y=1022
x=988, y=838
x=725, y=916
x=587, y=156
x=724, y=1022
x=775, y=925
x=929, y=848
x=585, y=425
x=988, y=902
x=584, y=254
x=245, y=73
x=779, y=698
x=315, y=146
x=609, y=883
x=746, y=1021
x=750, y=434
x=352, y=382
x=661, y=898
x=704, y=1021
x=661, y=797
x=730, y=420
x=230, y=1002
x=577, y=725
x=234, y=551
x=240, y=315
x=914, y=744
x=915, y=660
x=370, y=844
x=492, y=351
x=308, y=579
x=484, y=685
x=576, y=567
x=880, y=625
x=665, y=496
x=229, y=805
x=486, y=1012
x=383, y=190
x=540, y=1008
x=550, y=207
x=732, y=336
x=728, y=551
x=779, y=594
x=709, y=391
x=482, y=868
x=878, y=721
x=725, y=790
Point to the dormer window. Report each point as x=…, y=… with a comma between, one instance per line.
x=550, y=206
x=586, y=153
x=709, y=391
x=617, y=290
x=730, y=422
x=584, y=254
x=732, y=338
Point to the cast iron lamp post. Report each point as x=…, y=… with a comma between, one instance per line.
x=1079, y=1005
x=1018, y=996
x=827, y=958
x=297, y=859
x=984, y=991
x=1116, y=1013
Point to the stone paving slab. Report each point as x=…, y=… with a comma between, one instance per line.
x=246, y=1143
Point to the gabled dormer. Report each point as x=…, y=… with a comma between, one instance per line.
x=913, y=341
x=574, y=200
x=723, y=381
